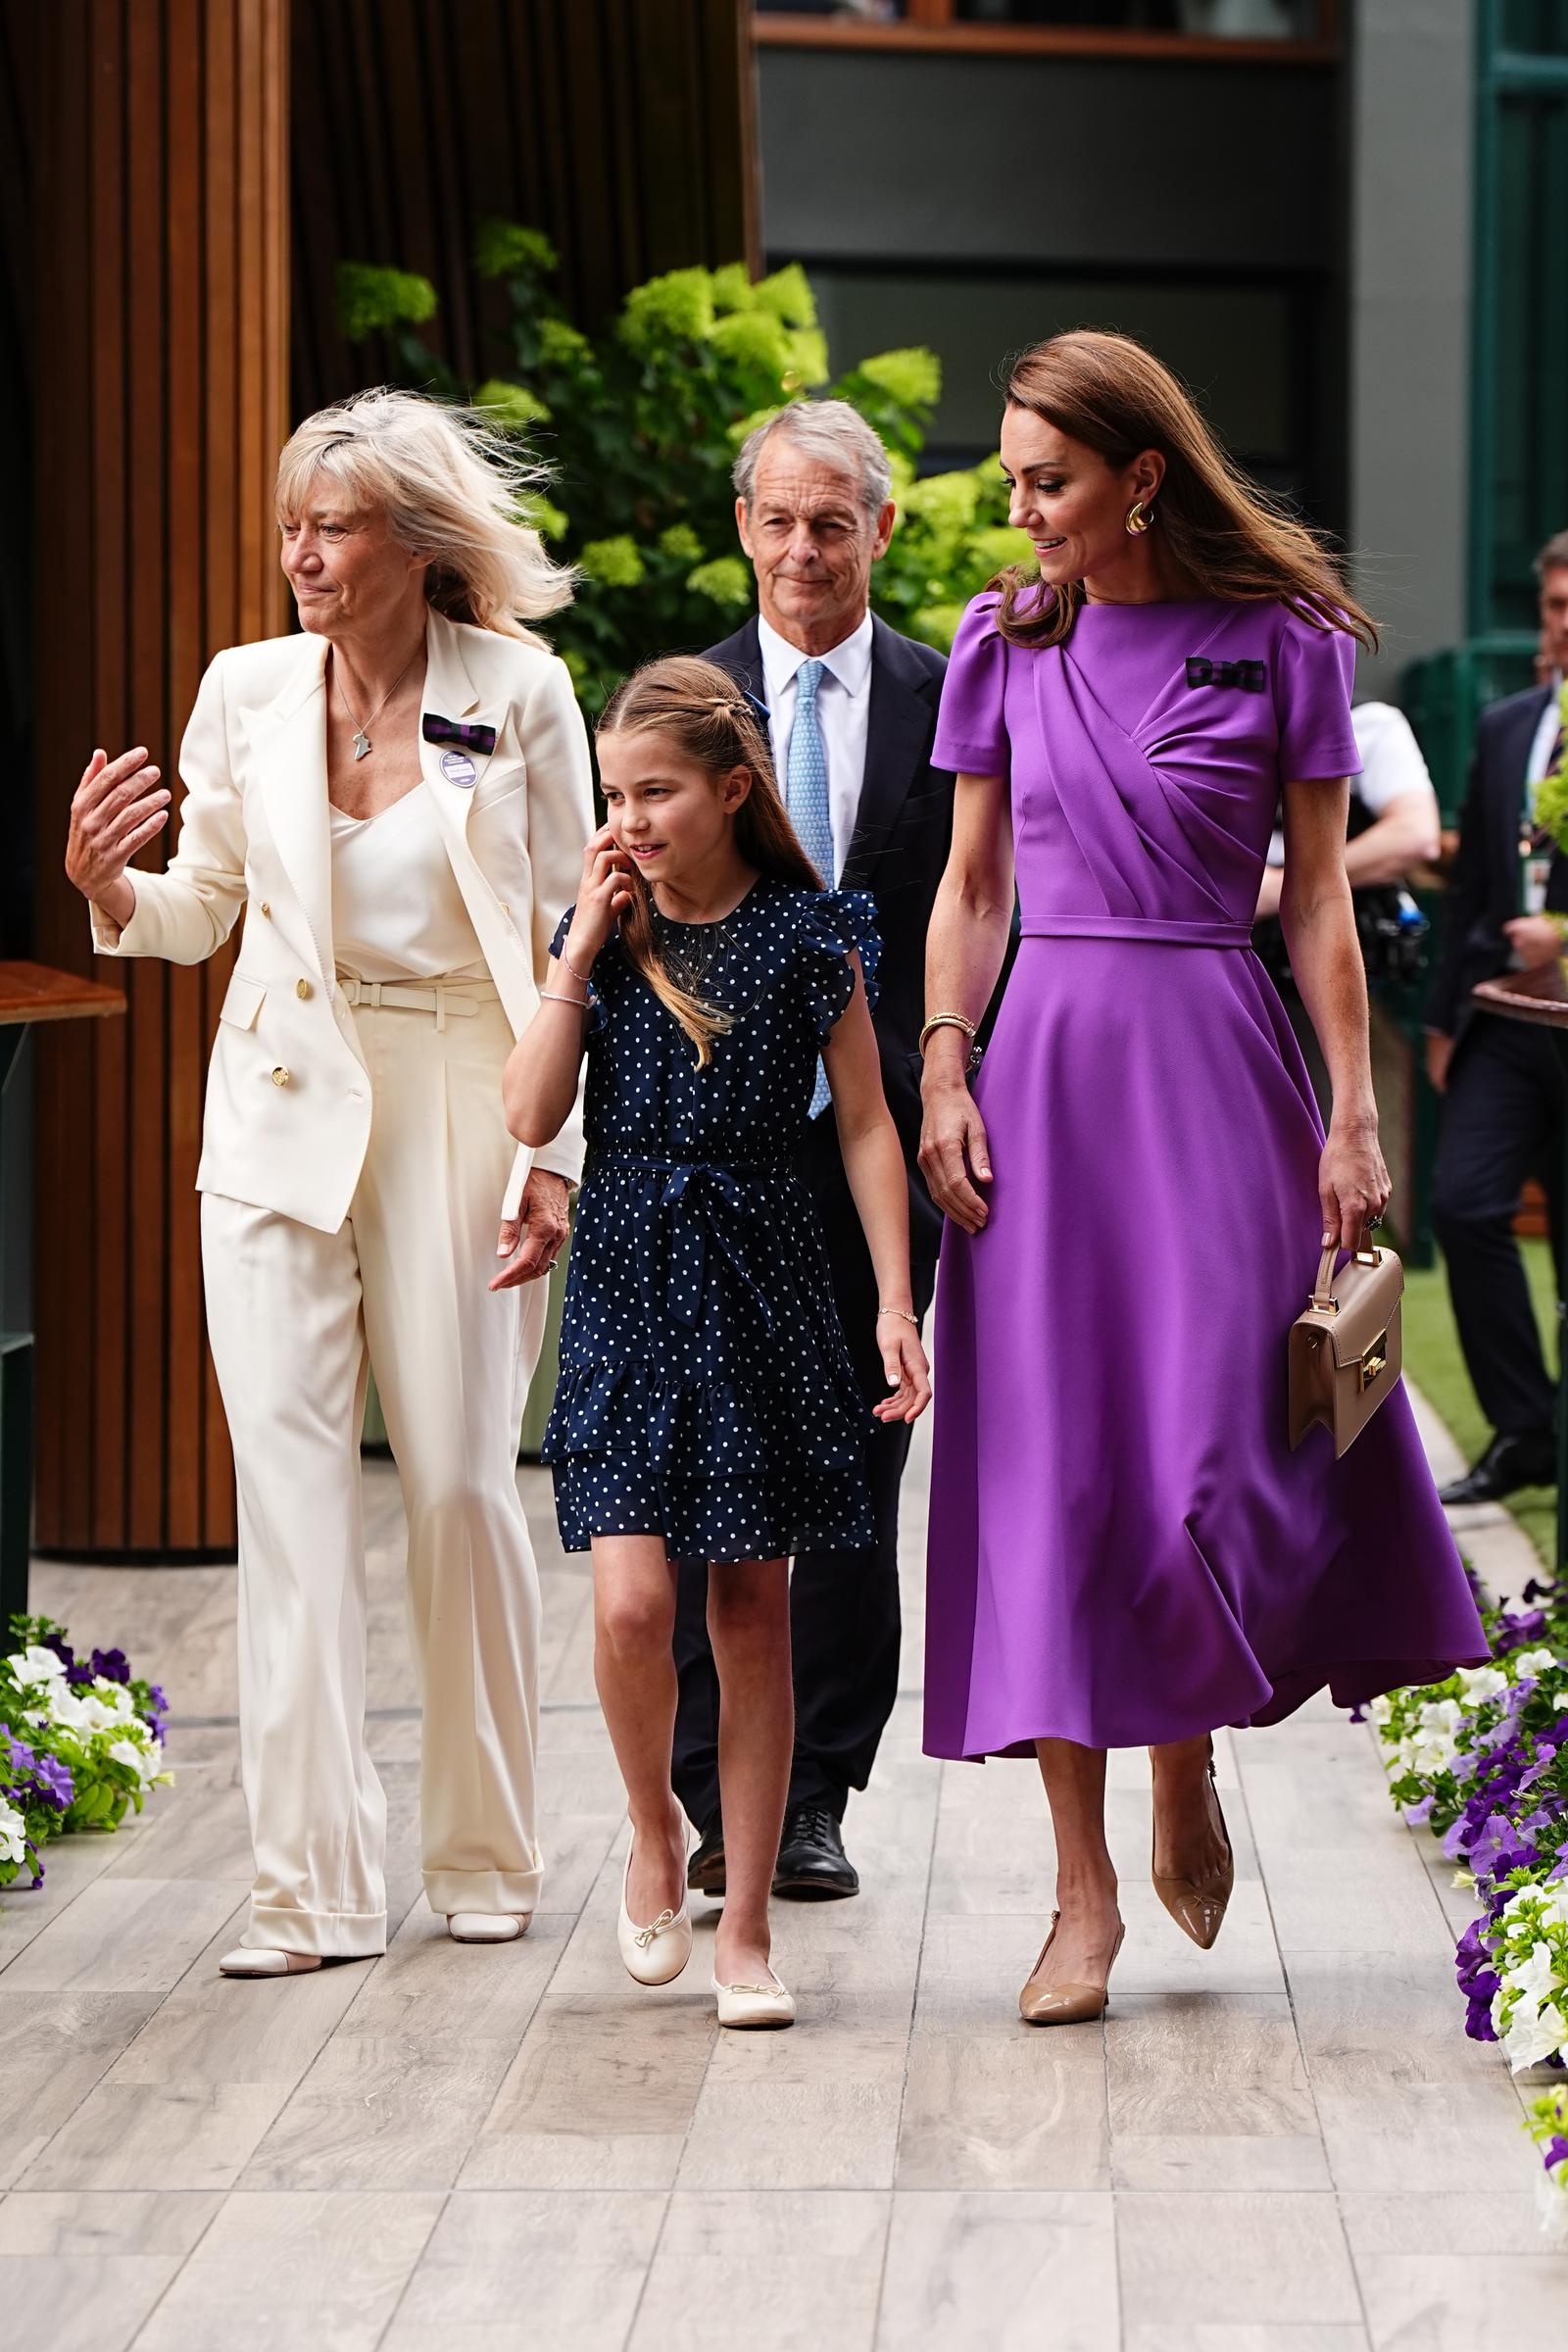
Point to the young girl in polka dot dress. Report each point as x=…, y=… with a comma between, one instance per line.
x=706, y=1407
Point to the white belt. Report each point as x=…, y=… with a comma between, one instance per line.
x=446, y=998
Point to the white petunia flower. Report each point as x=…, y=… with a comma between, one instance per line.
x=1481, y=1682
x=1381, y=1710
x=13, y=1834
x=35, y=1665
x=1534, y=2035
x=1534, y=1661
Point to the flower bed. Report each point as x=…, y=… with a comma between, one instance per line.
x=80, y=1744
x=1483, y=1760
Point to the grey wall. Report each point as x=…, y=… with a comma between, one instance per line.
x=1036, y=160
x=978, y=202
x=1413, y=178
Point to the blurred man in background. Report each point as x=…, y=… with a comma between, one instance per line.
x=1505, y=1097
x=1394, y=827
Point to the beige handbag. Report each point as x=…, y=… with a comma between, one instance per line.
x=1346, y=1347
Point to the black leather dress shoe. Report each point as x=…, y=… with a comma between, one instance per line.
x=812, y=1866
x=705, y=1873
x=1521, y=1459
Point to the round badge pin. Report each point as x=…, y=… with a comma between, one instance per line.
x=459, y=769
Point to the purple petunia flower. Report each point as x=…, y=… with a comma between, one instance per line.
x=1420, y=1811
x=1557, y=2152
x=111, y=1664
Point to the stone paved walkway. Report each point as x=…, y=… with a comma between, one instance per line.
x=1284, y=2145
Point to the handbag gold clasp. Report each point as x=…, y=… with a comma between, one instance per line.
x=1374, y=1361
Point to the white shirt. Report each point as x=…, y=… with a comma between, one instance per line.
x=1542, y=742
x=843, y=709
x=1391, y=764
x=397, y=912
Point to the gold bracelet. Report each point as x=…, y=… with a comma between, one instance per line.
x=946, y=1020
x=902, y=1314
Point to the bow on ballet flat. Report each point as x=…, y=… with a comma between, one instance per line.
x=453, y=731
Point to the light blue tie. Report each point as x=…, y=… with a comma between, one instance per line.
x=806, y=797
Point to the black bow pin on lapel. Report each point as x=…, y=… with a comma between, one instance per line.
x=467, y=742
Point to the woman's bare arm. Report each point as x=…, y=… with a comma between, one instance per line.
x=965, y=944
x=1319, y=924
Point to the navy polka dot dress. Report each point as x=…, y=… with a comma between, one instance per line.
x=706, y=1393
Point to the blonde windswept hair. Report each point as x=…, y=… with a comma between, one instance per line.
x=451, y=488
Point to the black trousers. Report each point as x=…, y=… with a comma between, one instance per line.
x=844, y=1605
x=1502, y=1121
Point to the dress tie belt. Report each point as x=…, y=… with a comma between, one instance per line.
x=1155, y=930
x=703, y=1202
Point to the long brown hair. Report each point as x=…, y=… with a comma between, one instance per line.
x=700, y=710
x=1224, y=532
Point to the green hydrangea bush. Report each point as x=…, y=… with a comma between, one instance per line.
x=638, y=427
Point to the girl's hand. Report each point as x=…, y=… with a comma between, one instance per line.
x=908, y=1375
x=953, y=1150
x=605, y=891
x=1352, y=1186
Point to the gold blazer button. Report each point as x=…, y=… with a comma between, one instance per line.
x=302, y=988
x=266, y=911
x=281, y=1076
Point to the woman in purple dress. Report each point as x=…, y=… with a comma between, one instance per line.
x=1124, y=1550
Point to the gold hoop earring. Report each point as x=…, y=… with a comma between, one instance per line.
x=1137, y=521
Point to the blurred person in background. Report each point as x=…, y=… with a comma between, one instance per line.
x=1394, y=827
x=1503, y=1089
x=851, y=714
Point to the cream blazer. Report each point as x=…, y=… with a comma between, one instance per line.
x=289, y=1094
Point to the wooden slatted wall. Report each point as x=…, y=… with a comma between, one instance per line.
x=162, y=170
x=622, y=129
x=161, y=206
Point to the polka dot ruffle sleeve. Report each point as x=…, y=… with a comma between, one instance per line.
x=834, y=924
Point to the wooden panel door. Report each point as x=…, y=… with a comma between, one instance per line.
x=160, y=205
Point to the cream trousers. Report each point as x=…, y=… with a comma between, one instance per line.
x=296, y=1317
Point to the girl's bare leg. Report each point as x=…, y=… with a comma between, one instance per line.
x=1189, y=1842
x=748, y=1622
x=634, y=1672
x=1086, y=1876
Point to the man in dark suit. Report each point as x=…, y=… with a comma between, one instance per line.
x=853, y=711
x=1504, y=1086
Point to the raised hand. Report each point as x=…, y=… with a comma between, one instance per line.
x=605, y=891
x=115, y=810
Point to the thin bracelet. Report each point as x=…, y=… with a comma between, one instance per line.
x=552, y=996
x=585, y=977
x=901, y=1312
x=946, y=1020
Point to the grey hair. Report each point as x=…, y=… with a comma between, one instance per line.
x=1553, y=555
x=451, y=488
x=830, y=430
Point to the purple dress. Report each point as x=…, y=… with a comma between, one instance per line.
x=1123, y=1548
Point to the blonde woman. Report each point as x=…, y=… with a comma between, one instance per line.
x=396, y=801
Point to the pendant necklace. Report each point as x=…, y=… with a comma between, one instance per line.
x=688, y=952
x=362, y=740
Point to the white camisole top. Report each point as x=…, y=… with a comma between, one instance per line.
x=397, y=912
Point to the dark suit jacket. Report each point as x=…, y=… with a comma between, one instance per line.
x=897, y=852
x=1484, y=887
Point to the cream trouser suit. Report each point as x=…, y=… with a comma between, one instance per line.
x=355, y=1171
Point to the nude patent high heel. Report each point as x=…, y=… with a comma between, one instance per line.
x=1200, y=1911
x=1044, y=2003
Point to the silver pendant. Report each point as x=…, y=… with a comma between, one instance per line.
x=361, y=744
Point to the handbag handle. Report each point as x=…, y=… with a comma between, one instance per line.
x=1323, y=1298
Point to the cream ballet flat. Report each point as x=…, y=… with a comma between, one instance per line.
x=756, y=2006
x=657, y=1953
x=487, y=1927
x=242, y=1962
